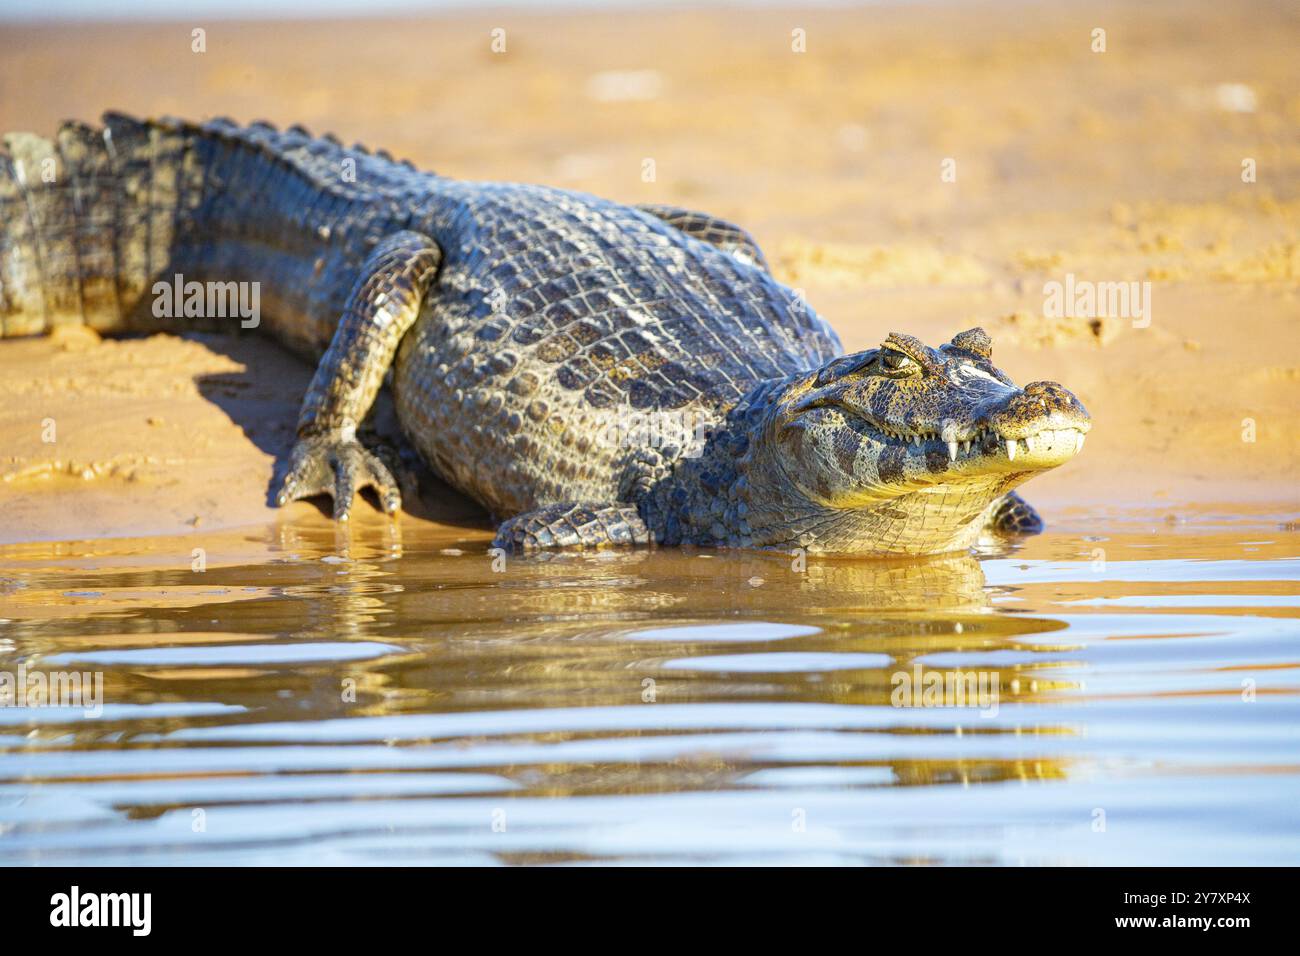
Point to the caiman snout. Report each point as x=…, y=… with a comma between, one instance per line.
x=1041, y=426
x=1040, y=405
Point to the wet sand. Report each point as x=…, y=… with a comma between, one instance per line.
x=1117, y=166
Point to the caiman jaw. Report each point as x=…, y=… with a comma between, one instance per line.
x=988, y=448
x=1044, y=449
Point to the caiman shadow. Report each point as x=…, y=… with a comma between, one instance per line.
x=262, y=399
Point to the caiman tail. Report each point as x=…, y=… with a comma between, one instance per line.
x=88, y=220
x=96, y=218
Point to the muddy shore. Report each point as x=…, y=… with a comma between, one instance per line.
x=918, y=169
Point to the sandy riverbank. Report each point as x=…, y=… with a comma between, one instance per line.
x=1117, y=166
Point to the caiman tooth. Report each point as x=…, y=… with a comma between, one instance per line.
x=965, y=448
x=952, y=451
x=1011, y=449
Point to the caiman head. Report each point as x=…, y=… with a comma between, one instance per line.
x=903, y=449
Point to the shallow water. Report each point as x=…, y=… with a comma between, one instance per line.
x=385, y=695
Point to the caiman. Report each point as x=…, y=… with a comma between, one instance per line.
x=593, y=373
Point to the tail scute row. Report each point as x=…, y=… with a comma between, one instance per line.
x=86, y=219
x=90, y=219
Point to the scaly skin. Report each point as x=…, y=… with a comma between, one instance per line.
x=524, y=327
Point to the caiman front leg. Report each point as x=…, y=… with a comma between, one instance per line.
x=327, y=458
x=1012, y=514
x=572, y=525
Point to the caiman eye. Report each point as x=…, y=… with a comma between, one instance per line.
x=894, y=361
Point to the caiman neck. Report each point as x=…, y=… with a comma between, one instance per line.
x=729, y=494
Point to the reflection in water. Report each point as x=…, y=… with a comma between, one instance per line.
x=387, y=695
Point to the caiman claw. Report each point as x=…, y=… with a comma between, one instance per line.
x=336, y=465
